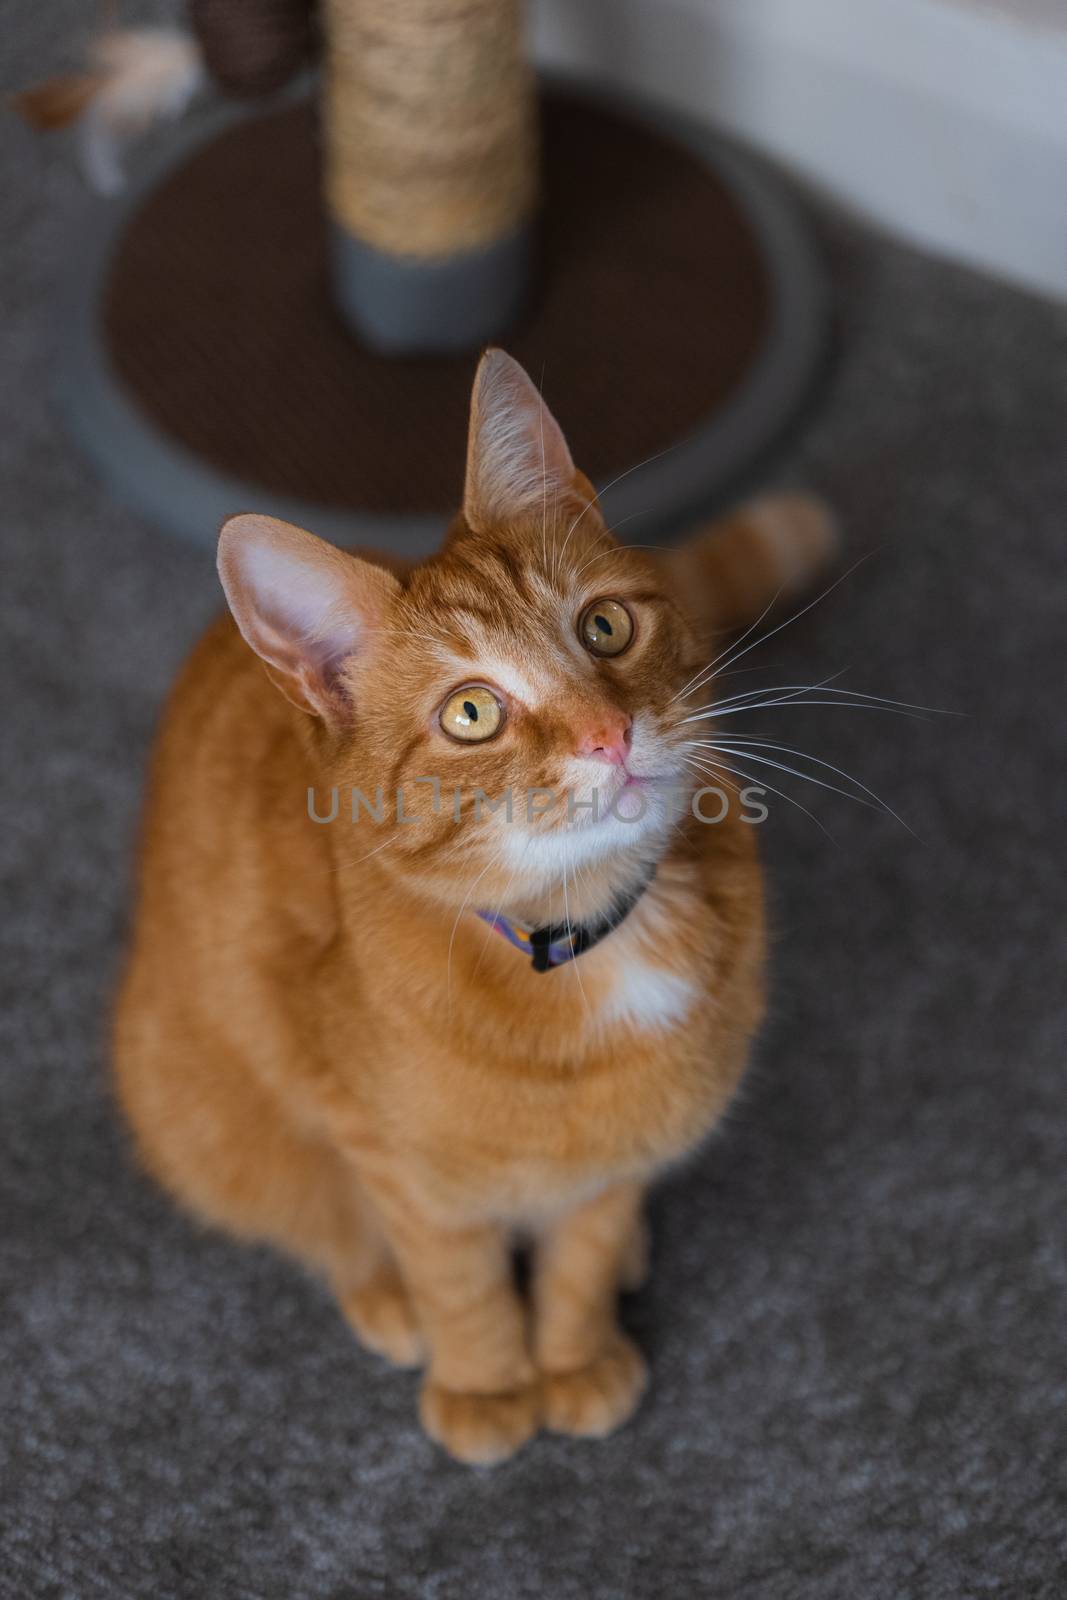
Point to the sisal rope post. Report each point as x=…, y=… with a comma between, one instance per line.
x=431, y=158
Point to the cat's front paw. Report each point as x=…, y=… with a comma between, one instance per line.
x=596, y=1399
x=480, y=1429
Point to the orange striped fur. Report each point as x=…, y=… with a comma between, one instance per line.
x=319, y=1044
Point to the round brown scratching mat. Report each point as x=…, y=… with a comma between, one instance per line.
x=674, y=321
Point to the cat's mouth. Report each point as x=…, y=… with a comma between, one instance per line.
x=647, y=780
x=627, y=781
x=629, y=797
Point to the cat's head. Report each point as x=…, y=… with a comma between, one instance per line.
x=531, y=668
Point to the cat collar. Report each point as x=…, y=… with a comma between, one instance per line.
x=554, y=946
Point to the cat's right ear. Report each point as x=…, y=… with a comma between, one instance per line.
x=517, y=457
x=304, y=606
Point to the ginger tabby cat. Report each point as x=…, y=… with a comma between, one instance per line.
x=322, y=1039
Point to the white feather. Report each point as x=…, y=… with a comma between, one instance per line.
x=147, y=75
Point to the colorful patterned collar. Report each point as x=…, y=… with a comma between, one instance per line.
x=555, y=946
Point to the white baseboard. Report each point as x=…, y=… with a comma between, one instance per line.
x=944, y=120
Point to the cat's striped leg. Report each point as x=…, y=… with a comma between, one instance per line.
x=592, y=1375
x=382, y=1315
x=634, y=1265
x=480, y=1399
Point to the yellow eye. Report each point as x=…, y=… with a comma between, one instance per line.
x=471, y=715
x=606, y=628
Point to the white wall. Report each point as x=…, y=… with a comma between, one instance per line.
x=943, y=119
x=1043, y=13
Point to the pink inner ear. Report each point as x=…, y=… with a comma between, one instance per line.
x=301, y=615
x=301, y=604
x=517, y=456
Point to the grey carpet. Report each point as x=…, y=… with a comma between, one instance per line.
x=856, y=1320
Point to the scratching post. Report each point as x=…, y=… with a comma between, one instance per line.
x=223, y=348
x=430, y=168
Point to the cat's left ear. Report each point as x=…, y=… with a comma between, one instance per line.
x=305, y=607
x=517, y=457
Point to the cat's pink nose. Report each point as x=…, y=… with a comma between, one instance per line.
x=608, y=739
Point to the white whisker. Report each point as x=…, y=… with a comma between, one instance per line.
x=752, y=696
x=745, y=747
x=733, y=656
x=635, y=468
x=574, y=961
x=393, y=840
x=788, y=691
x=739, y=672
x=615, y=549
x=692, y=761
x=701, y=677
x=761, y=783
x=544, y=474
x=770, y=705
x=748, y=754
x=489, y=928
x=452, y=938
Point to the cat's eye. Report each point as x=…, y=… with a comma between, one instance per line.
x=471, y=714
x=606, y=628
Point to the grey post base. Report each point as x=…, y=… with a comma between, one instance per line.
x=189, y=497
x=403, y=305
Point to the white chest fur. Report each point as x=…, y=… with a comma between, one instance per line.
x=645, y=996
x=645, y=989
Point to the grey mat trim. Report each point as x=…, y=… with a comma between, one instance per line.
x=150, y=472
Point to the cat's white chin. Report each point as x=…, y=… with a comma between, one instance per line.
x=639, y=821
